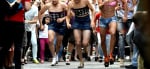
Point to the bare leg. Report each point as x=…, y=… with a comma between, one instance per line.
x=112, y=30
x=58, y=45
x=103, y=39
x=70, y=47
x=103, y=44
x=69, y=51
x=51, y=36
x=58, y=42
x=86, y=39
x=77, y=35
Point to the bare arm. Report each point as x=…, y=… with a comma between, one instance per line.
x=65, y=9
x=134, y=2
x=100, y=3
x=68, y=15
x=43, y=9
x=92, y=10
x=125, y=8
x=34, y=20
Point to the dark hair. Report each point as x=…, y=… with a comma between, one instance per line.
x=43, y=20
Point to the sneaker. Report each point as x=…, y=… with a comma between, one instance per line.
x=67, y=60
x=53, y=62
x=35, y=61
x=42, y=61
x=121, y=63
x=57, y=59
x=100, y=59
x=131, y=67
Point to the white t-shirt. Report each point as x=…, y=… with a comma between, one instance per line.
x=29, y=15
x=44, y=33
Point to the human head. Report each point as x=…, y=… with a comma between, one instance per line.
x=77, y=1
x=46, y=19
x=28, y=5
x=54, y=2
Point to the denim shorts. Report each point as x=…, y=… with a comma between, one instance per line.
x=57, y=27
x=82, y=23
x=104, y=22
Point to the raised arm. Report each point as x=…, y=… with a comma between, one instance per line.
x=100, y=4
x=125, y=9
x=43, y=9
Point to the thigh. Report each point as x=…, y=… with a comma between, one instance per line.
x=77, y=34
x=51, y=35
x=33, y=38
x=103, y=34
x=112, y=27
x=59, y=37
x=86, y=35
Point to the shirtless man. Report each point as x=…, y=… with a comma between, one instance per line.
x=81, y=24
x=56, y=27
x=108, y=20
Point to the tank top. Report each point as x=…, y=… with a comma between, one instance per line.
x=81, y=11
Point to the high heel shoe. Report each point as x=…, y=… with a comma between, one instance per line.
x=111, y=60
x=106, y=62
x=81, y=65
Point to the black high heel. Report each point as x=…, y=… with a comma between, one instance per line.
x=106, y=62
x=81, y=65
x=111, y=61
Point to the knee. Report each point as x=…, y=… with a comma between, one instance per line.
x=78, y=43
x=112, y=33
x=85, y=43
x=51, y=40
x=34, y=44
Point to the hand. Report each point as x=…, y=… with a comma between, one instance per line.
x=41, y=27
x=72, y=14
x=68, y=26
x=118, y=8
x=94, y=31
x=131, y=9
x=93, y=25
x=59, y=20
x=26, y=21
x=124, y=19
